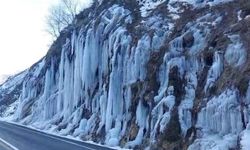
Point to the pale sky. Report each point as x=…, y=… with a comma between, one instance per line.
x=23, y=40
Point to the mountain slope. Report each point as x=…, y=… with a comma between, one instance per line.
x=156, y=74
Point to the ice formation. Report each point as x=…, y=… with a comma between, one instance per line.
x=245, y=145
x=80, y=82
x=236, y=53
x=222, y=114
x=161, y=117
x=215, y=71
x=215, y=142
x=120, y=75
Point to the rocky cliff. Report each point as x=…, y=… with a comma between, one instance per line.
x=146, y=74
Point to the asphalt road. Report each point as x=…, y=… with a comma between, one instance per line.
x=28, y=139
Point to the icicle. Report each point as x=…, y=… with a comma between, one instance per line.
x=185, y=116
x=160, y=116
x=222, y=114
x=236, y=54
x=215, y=71
x=141, y=120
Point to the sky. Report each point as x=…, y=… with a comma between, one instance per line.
x=23, y=39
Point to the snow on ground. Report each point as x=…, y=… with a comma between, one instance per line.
x=202, y=3
x=175, y=9
x=148, y=5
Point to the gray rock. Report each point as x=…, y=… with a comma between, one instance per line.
x=188, y=40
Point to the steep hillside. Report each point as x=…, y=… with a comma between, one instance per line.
x=154, y=74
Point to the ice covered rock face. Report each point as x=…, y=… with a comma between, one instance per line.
x=156, y=74
x=235, y=54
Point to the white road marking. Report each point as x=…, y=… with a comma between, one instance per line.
x=8, y=144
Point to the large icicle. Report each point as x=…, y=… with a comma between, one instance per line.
x=215, y=71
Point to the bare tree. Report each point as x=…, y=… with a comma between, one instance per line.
x=61, y=15
x=71, y=7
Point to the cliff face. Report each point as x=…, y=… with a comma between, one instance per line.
x=143, y=74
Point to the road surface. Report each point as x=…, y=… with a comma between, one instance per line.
x=28, y=139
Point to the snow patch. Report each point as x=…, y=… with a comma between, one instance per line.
x=202, y=3
x=148, y=5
